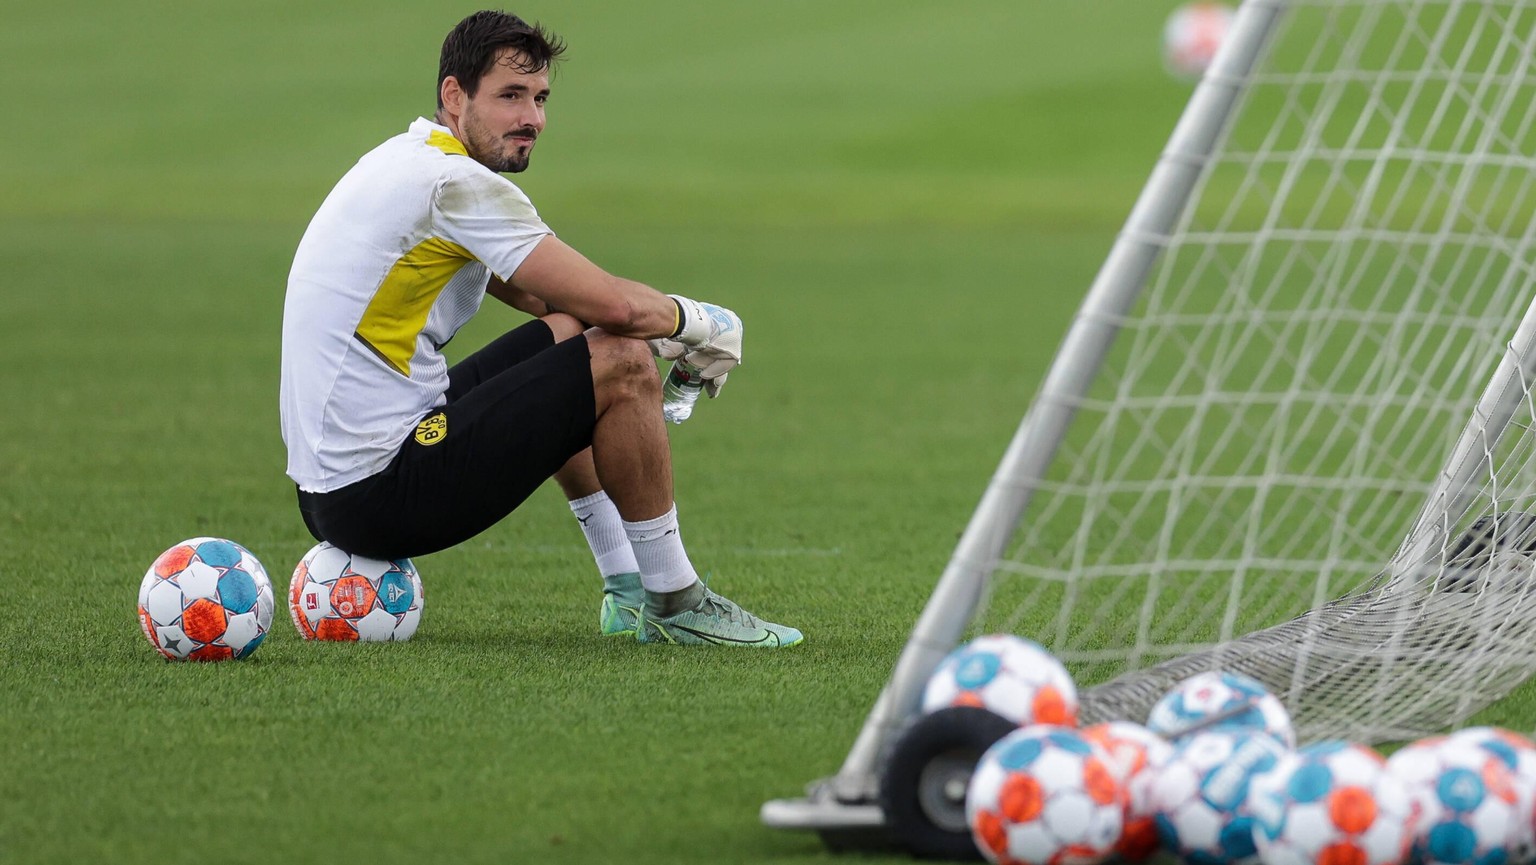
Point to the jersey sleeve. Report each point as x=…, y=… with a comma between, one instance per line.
x=490, y=217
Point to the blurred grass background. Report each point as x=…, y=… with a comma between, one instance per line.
x=904, y=201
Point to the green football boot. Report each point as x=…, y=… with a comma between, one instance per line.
x=623, y=596
x=716, y=621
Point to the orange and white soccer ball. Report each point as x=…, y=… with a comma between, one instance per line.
x=335, y=595
x=1008, y=676
x=1045, y=795
x=1333, y=802
x=1191, y=36
x=1137, y=755
x=205, y=599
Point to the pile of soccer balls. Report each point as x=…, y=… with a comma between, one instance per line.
x=209, y=599
x=1214, y=776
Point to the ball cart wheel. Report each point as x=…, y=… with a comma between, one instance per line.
x=922, y=789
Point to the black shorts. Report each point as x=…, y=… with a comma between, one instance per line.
x=517, y=410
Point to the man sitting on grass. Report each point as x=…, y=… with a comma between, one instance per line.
x=397, y=454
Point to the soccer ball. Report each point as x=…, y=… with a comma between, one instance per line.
x=1007, y=675
x=1469, y=809
x=1044, y=795
x=206, y=599
x=1216, y=701
x=1137, y=755
x=1191, y=36
x=1200, y=798
x=1333, y=802
x=335, y=595
x=1518, y=754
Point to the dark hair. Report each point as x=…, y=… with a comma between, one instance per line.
x=470, y=50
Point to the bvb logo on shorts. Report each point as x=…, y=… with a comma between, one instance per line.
x=432, y=430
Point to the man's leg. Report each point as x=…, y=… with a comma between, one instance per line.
x=630, y=452
x=520, y=344
x=623, y=591
x=633, y=462
x=594, y=512
x=624, y=480
x=619, y=612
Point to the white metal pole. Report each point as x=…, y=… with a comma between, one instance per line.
x=1508, y=389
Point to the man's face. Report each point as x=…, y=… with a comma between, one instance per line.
x=500, y=122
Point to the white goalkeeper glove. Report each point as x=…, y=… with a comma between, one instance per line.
x=667, y=349
x=710, y=337
x=671, y=349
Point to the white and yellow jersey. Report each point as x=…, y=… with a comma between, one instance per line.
x=392, y=265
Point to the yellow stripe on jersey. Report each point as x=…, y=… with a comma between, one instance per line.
x=398, y=311
x=446, y=143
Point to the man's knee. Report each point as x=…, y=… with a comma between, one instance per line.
x=622, y=361
x=563, y=325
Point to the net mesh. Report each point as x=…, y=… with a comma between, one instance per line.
x=1259, y=478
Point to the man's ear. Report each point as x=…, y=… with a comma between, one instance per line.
x=453, y=95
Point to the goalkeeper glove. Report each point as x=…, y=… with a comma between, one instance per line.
x=667, y=348
x=711, y=335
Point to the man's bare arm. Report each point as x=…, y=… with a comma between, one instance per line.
x=517, y=298
x=558, y=276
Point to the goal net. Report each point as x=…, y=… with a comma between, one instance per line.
x=1258, y=477
x=1290, y=432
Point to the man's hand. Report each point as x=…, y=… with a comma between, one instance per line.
x=712, y=335
x=712, y=385
x=671, y=349
x=667, y=349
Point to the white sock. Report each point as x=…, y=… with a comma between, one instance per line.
x=658, y=546
x=604, y=529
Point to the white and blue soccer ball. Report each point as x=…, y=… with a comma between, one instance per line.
x=334, y=595
x=1333, y=802
x=1220, y=700
x=1518, y=754
x=1008, y=676
x=205, y=599
x=1470, y=810
x=1515, y=751
x=1045, y=795
x=1200, y=798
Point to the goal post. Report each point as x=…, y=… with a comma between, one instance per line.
x=1253, y=449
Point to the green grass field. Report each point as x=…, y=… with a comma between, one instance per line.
x=904, y=201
